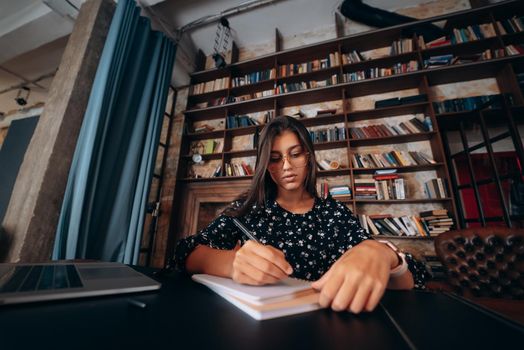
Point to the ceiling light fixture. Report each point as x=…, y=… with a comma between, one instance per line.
x=222, y=37
x=21, y=100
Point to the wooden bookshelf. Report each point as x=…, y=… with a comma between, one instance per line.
x=501, y=68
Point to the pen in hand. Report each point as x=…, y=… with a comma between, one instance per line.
x=245, y=230
x=288, y=270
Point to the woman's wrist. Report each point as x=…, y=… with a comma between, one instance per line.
x=399, y=264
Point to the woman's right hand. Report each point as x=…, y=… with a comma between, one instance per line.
x=259, y=264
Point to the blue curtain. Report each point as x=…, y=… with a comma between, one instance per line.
x=105, y=200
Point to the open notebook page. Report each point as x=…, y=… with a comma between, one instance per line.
x=283, y=290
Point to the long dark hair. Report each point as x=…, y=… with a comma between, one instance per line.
x=263, y=187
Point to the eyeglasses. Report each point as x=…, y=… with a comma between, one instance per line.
x=295, y=159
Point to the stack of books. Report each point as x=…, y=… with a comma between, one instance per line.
x=365, y=188
x=435, y=267
x=436, y=221
x=441, y=41
x=437, y=61
x=340, y=192
x=436, y=188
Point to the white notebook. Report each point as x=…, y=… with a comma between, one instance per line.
x=288, y=297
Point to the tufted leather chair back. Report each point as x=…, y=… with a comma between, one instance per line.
x=485, y=262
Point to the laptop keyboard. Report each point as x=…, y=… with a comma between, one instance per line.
x=39, y=277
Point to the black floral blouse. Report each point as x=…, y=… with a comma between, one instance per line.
x=311, y=242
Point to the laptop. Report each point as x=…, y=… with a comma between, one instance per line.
x=23, y=283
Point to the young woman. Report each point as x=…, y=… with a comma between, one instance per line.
x=298, y=233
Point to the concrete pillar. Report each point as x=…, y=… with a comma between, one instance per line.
x=32, y=216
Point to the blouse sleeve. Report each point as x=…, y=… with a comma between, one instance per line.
x=219, y=234
x=348, y=224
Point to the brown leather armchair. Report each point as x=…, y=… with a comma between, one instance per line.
x=484, y=262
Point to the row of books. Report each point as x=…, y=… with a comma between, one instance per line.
x=252, y=95
x=407, y=225
x=393, y=188
x=352, y=57
x=290, y=87
x=339, y=192
x=332, y=60
x=237, y=169
x=511, y=25
x=392, y=226
x=436, y=188
x=376, y=72
x=254, y=77
x=212, y=85
x=240, y=121
x=401, y=46
x=512, y=50
x=444, y=60
x=473, y=32
x=467, y=103
x=327, y=134
x=412, y=126
x=390, y=159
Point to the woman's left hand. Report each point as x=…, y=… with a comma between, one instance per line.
x=358, y=279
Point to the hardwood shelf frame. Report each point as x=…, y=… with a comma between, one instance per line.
x=422, y=80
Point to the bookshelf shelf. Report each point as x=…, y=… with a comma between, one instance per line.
x=392, y=139
x=502, y=69
x=401, y=201
x=330, y=145
x=241, y=153
x=205, y=156
x=218, y=178
x=336, y=172
x=206, y=135
x=407, y=237
x=409, y=80
x=419, y=107
x=207, y=95
x=402, y=169
x=248, y=130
